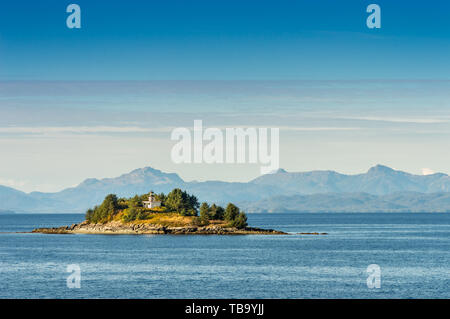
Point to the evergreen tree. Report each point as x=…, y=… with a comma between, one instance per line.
x=216, y=212
x=89, y=214
x=162, y=198
x=175, y=200
x=220, y=213
x=135, y=201
x=106, y=210
x=193, y=202
x=205, y=212
x=182, y=202
x=231, y=212
x=240, y=221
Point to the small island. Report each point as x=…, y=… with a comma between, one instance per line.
x=175, y=213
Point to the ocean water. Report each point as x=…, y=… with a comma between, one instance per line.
x=412, y=251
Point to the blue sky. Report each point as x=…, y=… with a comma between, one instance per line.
x=345, y=97
x=204, y=39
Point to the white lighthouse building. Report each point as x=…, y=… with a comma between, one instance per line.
x=152, y=202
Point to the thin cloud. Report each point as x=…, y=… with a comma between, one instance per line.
x=81, y=129
x=136, y=129
x=398, y=119
x=321, y=128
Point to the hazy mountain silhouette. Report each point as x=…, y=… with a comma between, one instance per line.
x=353, y=202
x=379, y=180
x=380, y=189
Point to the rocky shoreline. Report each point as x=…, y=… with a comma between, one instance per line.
x=116, y=227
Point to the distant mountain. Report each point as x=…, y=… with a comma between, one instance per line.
x=379, y=180
x=353, y=202
x=283, y=191
x=10, y=199
x=92, y=191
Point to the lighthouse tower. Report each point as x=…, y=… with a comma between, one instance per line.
x=152, y=202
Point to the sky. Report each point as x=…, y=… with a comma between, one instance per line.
x=102, y=100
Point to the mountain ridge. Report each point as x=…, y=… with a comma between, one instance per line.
x=378, y=181
x=411, y=202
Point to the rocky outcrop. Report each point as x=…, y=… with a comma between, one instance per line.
x=145, y=228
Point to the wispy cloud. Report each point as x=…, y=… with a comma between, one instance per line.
x=80, y=129
x=399, y=119
x=321, y=128
x=44, y=130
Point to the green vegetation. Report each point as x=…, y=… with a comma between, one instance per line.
x=205, y=214
x=240, y=221
x=177, y=208
x=105, y=211
x=231, y=212
x=181, y=202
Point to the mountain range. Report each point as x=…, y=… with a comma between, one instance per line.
x=380, y=189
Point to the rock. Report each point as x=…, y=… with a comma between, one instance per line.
x=118, y=227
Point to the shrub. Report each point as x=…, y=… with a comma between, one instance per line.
x=141, y=215
x=198, y=221
x=130, y=214
x=188, y=212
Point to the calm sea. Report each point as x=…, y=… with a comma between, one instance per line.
x=412, y=250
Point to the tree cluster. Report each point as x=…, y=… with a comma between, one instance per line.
x=176, y=201
x=181, y=202
x=105, y=211
x=232, y=214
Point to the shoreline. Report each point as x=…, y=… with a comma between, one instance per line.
x=120, y=228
